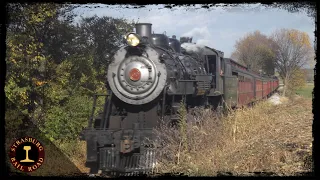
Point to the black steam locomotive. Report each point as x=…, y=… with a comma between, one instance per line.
x=147, y=79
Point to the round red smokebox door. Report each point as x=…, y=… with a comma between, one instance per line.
x=135, y=74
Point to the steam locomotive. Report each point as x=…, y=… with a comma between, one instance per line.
x=146, y=81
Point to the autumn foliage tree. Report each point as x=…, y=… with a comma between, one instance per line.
x=26, y=58
x=297, y=80
x=55, y=65
x=255, y=50
x=293, y=51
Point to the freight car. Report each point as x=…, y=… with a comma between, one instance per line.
x=147, y=79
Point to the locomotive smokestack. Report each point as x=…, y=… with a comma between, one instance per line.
x=144, y=30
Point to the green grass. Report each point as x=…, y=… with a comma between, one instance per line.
x=306, y=91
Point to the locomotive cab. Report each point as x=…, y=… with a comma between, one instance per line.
x=211, y=67
x=215, y=66
x=212, y=61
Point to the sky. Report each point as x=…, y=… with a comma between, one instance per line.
x=218, y=27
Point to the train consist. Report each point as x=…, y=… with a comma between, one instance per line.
x=147, y=79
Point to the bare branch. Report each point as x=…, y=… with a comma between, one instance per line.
x=293, y=52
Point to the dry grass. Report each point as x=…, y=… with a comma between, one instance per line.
x=76, y=152
x=265, y=138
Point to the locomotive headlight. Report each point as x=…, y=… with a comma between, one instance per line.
x=132, y=39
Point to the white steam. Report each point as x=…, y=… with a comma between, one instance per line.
x=193, y=48
x=200, y=35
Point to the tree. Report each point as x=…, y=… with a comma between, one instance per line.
x=26, y=56
x=101, y=36
x=297, y=80
x=255, y=50
x=54, y=66
x=293, y=51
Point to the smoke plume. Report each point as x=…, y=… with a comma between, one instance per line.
x=193, y=48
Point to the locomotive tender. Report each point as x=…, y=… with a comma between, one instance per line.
x=146, y=81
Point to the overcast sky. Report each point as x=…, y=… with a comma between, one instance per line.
x=218, y=27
